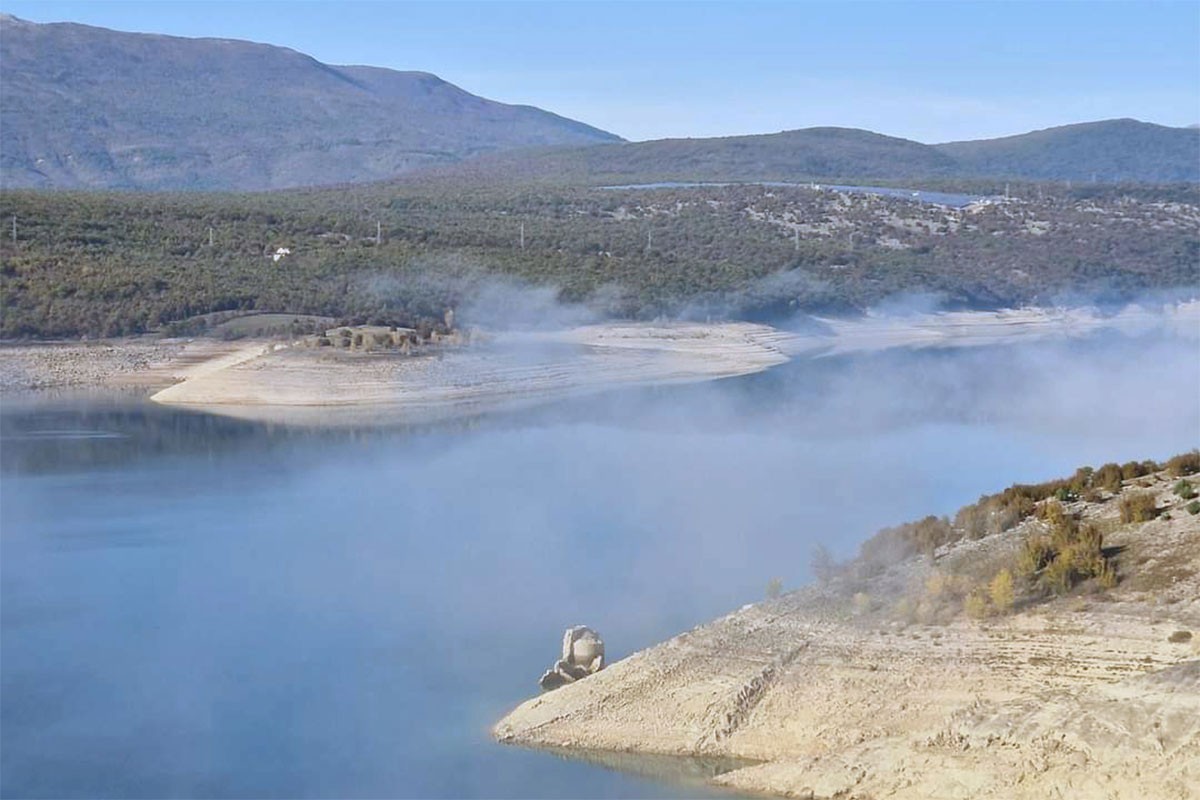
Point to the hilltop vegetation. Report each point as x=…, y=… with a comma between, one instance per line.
x=802, y=155
x=1111, y=151
x=110, y=264
x=1045, y=539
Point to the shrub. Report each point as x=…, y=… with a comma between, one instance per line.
x=895, y=544
x=976, y=605
x=1185, y=490
x=941, y=584
x=1193, y=507
x=1108, y=477
x=1001, y=591
x=993, y=514
x=1131, y=470
x=1035, y=554
x=1077, y=562
x=1108, y=575
x=862, y=603
x=774, y=588
x=1138, y=507
x=1077, y=484
x=1179, y=637
x=1184, y=464
x=1058, y=576
x=1056, y=517
x=821, y=563
x=1071, y=553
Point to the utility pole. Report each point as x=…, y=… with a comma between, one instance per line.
x=649, y=240
x=1006, y=191
x=14, y=228
x=522, y=235
x=378, y=233
x=210, y=237
x=796, y=232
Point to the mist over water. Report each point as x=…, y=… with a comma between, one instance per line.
x=222, y=609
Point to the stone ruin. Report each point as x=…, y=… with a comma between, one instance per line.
x=582, y=655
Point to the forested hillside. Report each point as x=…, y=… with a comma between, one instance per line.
x=1110, y=151
x=1113, y=151
x=106, y=264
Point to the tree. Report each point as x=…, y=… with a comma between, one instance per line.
x=1001, y=591
x=821, y=563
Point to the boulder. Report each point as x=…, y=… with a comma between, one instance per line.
x=582, y=655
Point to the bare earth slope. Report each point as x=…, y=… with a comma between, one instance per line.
x=838, y=696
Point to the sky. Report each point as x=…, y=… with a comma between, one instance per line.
x=929, y=71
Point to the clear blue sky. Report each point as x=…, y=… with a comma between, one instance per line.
x=931, y=71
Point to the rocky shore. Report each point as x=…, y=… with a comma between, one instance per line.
x=842, y=690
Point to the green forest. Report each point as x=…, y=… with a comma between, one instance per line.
x=107, y=264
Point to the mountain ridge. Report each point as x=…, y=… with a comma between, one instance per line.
x=1107, y=151
x=88, y=107
x=1120, y=149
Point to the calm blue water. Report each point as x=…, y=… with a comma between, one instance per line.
x=954, y=200
x=197, y=607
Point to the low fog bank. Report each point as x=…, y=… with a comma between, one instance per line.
x=651, y=510
x=792, y=299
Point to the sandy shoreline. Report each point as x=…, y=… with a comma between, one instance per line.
x=303, y=385
x=280, y=382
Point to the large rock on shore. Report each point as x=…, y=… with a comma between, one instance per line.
x=582, y=655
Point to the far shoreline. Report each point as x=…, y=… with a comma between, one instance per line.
x=289, y=382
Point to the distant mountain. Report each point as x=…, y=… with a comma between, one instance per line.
x=800, y=155
x=90, y=107
x=1112, y=151
x=1109, y=151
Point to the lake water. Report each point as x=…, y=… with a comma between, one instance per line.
x=200, y=607
x=952, y=199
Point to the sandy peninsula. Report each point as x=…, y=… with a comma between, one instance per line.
x=509, y=371
x=281, y=381
x=834, y=692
